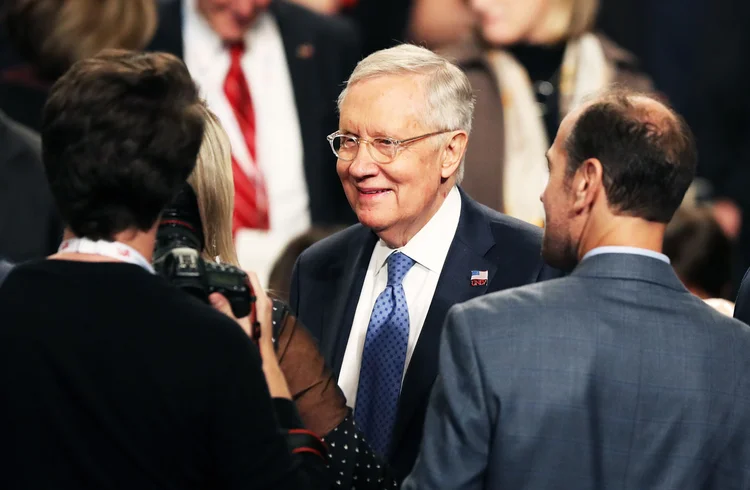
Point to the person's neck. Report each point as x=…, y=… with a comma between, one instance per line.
x=399, y=235
x=623, y=231
x=142, y=242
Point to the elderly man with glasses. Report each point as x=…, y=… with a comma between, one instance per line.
x=375, y=295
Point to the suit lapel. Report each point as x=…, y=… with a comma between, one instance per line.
x=301, y=54
x=346, y=296
x=467, y=252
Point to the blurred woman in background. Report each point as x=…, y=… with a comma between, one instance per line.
x=51, y=35
x=701, y=255
x=529, y=63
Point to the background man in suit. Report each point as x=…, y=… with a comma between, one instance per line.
x=270, y=70
x=613, y=377
x=30, y=226
x=375, y=295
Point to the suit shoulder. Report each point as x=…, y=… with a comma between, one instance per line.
x=335, y=246
x=536, y=297
x=511, y=234
x=336, y=27
x=502, y=223
x=507, y=224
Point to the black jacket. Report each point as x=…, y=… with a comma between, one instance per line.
x=29, y=224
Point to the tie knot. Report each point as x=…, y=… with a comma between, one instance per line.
x=236, y=50
x=398, y=265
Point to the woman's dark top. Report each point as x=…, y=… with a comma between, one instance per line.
x=112, y=378
x=352, y=462
x=543, y=65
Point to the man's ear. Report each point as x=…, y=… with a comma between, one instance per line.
x=453, y=153
x=587, y=184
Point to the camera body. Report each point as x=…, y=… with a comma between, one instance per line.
x=177, y=257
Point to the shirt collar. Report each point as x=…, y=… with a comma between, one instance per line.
x=429, y=247
x=206, y=45
x=626, y=250
x=203, y=40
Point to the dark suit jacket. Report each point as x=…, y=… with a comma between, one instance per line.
x=30, y=227
x=613, y=377
x=328, y=278
x=318, y=76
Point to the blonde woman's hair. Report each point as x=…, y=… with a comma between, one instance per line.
x=569, y=19
x=450, y=99
x=213, y=183
x=54, y=34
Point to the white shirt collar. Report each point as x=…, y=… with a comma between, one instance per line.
x=196, y=27
x=626, y=250
x=206, y=46
x=429, y=247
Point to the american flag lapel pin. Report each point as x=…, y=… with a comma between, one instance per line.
x=478, y=278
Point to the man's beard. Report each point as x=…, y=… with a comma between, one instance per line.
x=559, y=251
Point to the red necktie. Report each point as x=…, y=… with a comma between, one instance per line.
x=250, y=198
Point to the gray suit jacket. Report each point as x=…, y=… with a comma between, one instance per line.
x=613, y=377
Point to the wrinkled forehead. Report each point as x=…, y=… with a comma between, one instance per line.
x=390, y=105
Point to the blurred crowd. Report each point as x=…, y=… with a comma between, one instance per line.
x=493, y=181
x=527, y=69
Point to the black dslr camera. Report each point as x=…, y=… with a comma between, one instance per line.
x=177, y=257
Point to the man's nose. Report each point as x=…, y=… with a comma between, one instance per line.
x=363, y=164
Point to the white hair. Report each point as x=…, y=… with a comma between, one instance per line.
x=450, y=99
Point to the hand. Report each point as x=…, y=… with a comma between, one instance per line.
x=260, y=313
x=729, y=217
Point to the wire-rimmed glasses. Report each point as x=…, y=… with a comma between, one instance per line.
x=382, y=150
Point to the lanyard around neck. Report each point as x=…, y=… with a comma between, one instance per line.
x=113, y=250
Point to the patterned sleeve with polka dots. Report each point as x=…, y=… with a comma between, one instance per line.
x=353, y=465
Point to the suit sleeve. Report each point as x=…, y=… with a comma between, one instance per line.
x=456, y=442
x=733, y=468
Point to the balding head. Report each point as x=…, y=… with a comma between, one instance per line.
x=646, y=151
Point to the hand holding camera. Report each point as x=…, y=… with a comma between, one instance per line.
x=261, y=313
x=177, y=257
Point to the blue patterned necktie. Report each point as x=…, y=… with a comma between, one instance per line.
x=383, y=358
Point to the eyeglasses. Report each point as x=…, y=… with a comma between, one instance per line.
x=382, y=150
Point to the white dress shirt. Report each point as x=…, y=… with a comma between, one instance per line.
x=428, y=248
x=614, y=249
x=278, y=136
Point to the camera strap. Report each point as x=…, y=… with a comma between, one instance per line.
x=113, y=250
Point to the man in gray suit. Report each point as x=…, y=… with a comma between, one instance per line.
x=612, y=377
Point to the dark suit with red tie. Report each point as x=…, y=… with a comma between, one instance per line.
x=321, y=53
x=328, y=279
